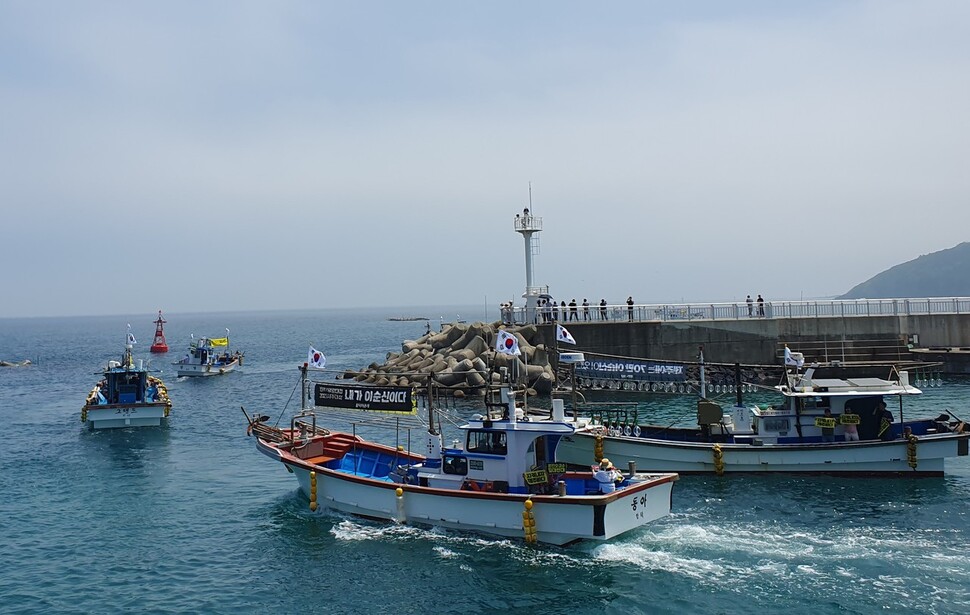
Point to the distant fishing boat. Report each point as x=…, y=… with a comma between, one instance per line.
x=126, y=396
x=159, y=345
x=500, y=479
x=23, y=363
x=209, y=356
x=407, y=318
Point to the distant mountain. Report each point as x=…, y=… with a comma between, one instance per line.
x=941, y=274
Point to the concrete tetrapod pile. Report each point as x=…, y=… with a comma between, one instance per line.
x=462, y=357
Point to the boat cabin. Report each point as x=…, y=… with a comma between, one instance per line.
x=504, y=452
x=802, y=415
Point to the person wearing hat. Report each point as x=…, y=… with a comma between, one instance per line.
x=607, y=476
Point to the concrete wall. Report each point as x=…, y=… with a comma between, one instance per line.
x=760, y=341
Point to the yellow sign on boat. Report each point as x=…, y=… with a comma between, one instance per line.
x=849, y=419
x=824, y=422
x=536, y=477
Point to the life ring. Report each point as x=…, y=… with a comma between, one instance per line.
x=636, y=431
x=627, y=431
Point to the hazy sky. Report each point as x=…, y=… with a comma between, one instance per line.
x=197, y=156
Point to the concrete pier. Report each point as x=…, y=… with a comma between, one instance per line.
x=865, y=334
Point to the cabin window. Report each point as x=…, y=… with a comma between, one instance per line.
x=774, y=424
x=453, y=464
x=490, y=442
x=812, y=403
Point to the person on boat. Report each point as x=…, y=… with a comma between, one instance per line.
x=885, y=420
x=607, y=476
x=851, y=431
x=828, y=433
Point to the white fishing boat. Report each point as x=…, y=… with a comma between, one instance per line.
x=499, y=479
x=126, y=396
x=811, y=431
x=208, y=356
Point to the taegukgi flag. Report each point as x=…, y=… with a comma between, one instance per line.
x=790, y=360
x=563, y=335
x=316, y=359
x=506, y=343
x=131, y=336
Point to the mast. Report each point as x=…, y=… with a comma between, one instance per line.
x=700, y=355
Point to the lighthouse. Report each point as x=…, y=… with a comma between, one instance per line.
x=159, y=345
x=529, y=225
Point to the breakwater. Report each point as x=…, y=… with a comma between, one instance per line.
x=462, y=357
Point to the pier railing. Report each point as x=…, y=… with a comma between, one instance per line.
x=679, y=312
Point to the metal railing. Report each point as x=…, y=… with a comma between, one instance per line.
x=680, y=312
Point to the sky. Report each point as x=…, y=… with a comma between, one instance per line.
x=222, y=156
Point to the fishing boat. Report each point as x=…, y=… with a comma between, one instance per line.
x=126, y=396
x=499, y=478
x=832, y=426
x=159, y=345
x=209, y=356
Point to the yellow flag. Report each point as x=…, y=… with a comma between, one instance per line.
x=219, y=341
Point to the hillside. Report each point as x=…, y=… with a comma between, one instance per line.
x=941, y=274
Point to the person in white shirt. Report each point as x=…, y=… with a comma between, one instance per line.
x=607, y=476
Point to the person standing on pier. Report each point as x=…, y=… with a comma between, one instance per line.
x=603, y=315
x=750, y=306
x=585, y=309
x=573, y=311
x=761, y=306
x=629, y=306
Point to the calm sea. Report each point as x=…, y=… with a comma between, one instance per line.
x=189, y=518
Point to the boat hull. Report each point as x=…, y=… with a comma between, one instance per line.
x=193, y=370
x=559, y=520
x=114, y=416
x=865, y=458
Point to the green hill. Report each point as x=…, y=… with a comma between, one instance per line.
x=941, y=274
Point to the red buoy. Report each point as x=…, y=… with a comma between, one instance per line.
x=159, y=344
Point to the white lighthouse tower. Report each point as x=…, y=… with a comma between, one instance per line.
x=530, y=225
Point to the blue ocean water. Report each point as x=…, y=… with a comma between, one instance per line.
x=189, y=518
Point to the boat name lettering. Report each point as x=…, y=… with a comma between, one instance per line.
x=639, y=506
x=476, y=464
x=126, y=411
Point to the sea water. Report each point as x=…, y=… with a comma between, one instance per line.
x=190, y=518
